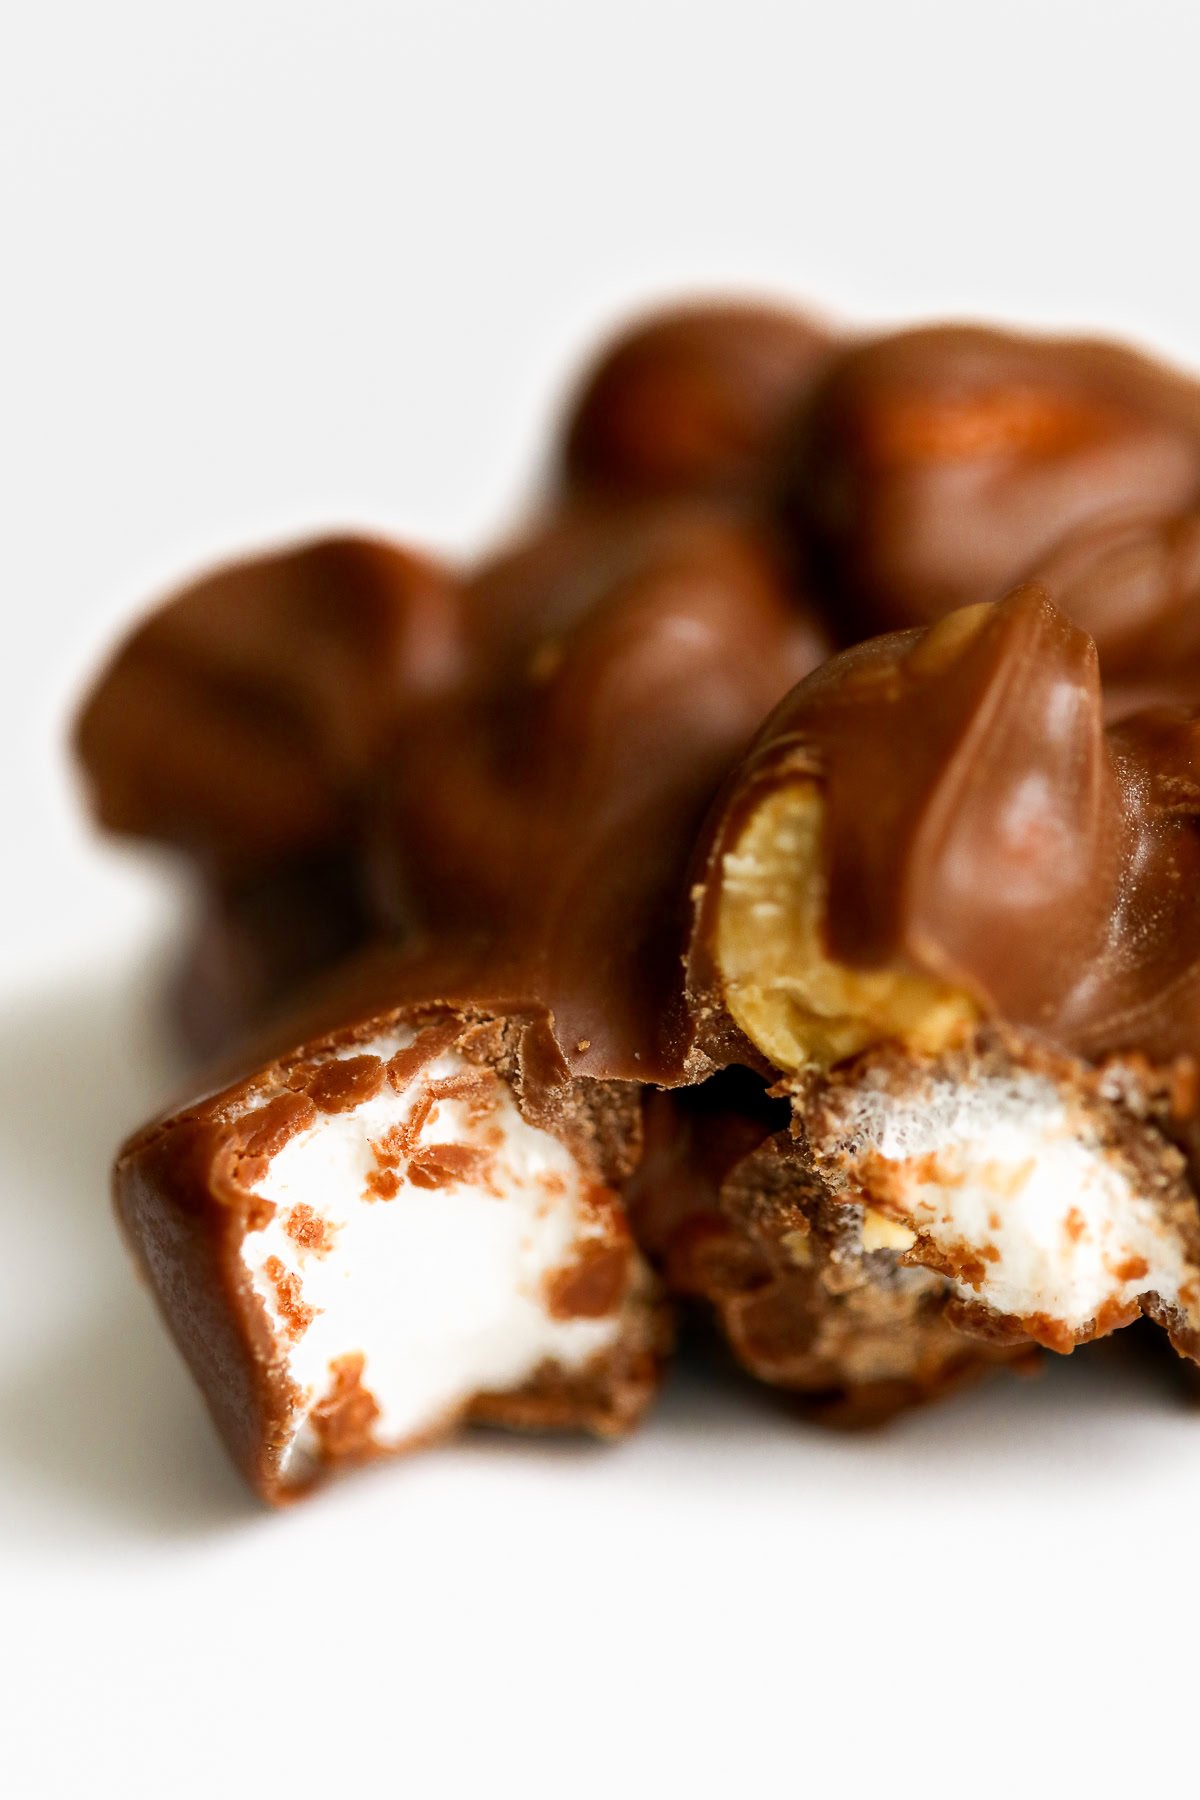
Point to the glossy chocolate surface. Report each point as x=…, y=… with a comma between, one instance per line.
x=980, y=826
x=554, y=805
x=692, y=400
x=486, y=793
x=241, y=718
x=935, y=468
x=1134, y=585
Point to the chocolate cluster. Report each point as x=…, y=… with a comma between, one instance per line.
x=618, y=933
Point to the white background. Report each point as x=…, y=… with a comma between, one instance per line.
x=268, y=267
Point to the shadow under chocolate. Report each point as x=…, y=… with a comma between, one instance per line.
x=99, y=1419
x=103, y=1433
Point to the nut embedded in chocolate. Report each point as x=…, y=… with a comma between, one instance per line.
x=910, y=814
x=555, y=807
x=947, y=914
x=950, y=959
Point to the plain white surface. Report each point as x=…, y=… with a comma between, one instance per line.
x=268, y=267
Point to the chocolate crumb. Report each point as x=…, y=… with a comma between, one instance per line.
x=382, y=1184
x=592, y=1286
x=342, y=1085
x=439, y=1165
x=295, y=1312
x=265, y=1131
x=308, y=1229
x=344, y=1418
x=425, y=1048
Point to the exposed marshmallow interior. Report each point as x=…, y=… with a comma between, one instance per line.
x=1012, y=1183
x=797, y=1005
x=443, y=1289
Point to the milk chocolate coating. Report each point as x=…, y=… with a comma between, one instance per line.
x=555, y=806
x=936, y=467
x=1134, y=585
x=564, y=745
x=184, y=1194
x=728, y=1205
x=863, y=1138
x=692, y=400
x=692, y=1139
x=261, y=936
x=241, y=718
x=530, y=754
x=982, y=829
x=980, y=826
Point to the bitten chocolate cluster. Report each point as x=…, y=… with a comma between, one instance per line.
x=620, y=930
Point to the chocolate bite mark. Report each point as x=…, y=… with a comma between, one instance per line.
x=435, y=1286
x=1093, y=1221
x=343, y=1420
x=343, y=1084
x=296, y=1315
x=810, y=1293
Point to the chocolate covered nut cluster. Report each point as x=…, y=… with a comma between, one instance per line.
x=585, y=934
x=977, y=986
x=1133, y=583
x=805, y=1285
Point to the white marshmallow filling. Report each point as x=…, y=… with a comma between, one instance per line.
x=1012, y=1184
x=412, y=1253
